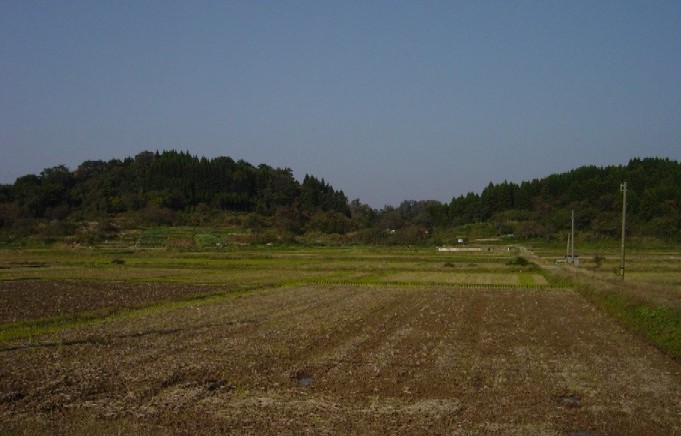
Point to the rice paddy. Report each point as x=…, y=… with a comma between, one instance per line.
x=236, y=339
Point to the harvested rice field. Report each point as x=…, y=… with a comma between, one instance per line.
x=422, y=345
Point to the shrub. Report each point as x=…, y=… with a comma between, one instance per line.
x=598, y=260
x=518, y=261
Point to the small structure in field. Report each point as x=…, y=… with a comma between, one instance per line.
x=570, y=259
x=459, y=249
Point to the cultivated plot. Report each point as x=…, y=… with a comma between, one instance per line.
x=403, y=350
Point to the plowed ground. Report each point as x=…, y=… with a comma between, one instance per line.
x=30, y=299
x=347, y=359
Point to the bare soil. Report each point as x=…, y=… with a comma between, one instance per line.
x=347, y=359
x=31, y=299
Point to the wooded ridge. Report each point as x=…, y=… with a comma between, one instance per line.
x=175, y=188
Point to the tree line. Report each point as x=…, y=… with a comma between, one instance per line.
x=542, y=207
x=176, y=188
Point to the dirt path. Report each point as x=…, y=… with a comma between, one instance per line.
x=349, y=360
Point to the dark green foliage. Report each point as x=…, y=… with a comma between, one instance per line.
x=317, y=195
x=598, y=260
x=542, y=207
x=172, y=180
x=290, y=220
x=175, y=188
x=330, y=222
x=518, y=261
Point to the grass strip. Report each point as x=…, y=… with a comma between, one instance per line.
x=42, y=326
x=422, y=284
x=661, y=326
x=23, y=329
x=526, y=279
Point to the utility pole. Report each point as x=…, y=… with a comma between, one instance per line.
x=623, y=188
x=572, y=241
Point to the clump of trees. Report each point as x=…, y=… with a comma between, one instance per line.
x=173, y=188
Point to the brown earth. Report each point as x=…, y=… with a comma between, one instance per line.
x=31, y=299
x=347, y=360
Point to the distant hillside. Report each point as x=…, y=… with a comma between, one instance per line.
x=171, y=179
x=175, y=188
x=543, y=206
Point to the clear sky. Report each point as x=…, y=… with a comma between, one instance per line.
x=386, y=100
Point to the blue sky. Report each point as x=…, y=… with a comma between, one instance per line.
x=386, y=100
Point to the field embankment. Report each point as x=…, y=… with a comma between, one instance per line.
x=647, y=301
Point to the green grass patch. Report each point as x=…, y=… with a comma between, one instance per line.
x=43, y=326
x=652, y=318
x=528, y=280
x=661, y=326
x=24, y=329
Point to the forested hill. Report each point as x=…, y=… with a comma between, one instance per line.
x=175, y=188
x=173, y=180
x=543, y=206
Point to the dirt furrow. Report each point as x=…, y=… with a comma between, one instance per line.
x=330, y=359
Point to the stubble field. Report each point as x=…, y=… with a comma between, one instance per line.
x=317, y=341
